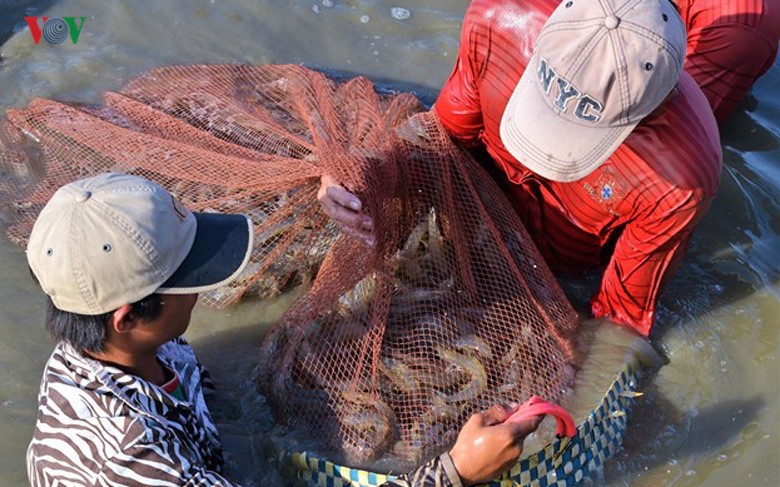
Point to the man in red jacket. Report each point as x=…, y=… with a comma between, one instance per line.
x=609, y=153
x=731, y=43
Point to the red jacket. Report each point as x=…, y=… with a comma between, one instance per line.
x=730, y=44
x=646, y=199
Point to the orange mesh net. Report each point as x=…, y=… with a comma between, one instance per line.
x=390, y=348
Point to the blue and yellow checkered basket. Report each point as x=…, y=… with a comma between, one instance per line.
x=564, y=462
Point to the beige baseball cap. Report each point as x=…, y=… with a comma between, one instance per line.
x=114, y=239
x=598, y=68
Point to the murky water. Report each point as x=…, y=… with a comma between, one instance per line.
x=710, y=417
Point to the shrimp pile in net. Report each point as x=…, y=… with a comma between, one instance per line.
x=389, y=348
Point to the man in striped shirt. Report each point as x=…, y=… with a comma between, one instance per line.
x=122, y=396
x=609, y=155
x=122, y=400
x=731, y=43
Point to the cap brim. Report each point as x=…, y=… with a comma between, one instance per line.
x=221, y=250
x=549, y=144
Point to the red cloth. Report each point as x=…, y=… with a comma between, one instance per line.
x=173, y=384
x=730, y=44
x=646, y=199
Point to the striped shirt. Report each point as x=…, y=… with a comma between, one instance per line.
x=99, y=426
x=635, y=213
x=439, y=472
x=730, y=44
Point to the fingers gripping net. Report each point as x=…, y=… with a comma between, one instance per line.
x=391, y=348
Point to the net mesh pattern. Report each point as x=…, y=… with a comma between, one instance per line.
x=389, y=348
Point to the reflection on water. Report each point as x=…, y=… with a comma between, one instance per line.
x=710, y=417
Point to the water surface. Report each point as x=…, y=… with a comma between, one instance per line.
x=710, y=417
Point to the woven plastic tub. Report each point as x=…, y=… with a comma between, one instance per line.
x=564, y=462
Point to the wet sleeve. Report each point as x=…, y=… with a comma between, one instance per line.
x=458, y=105
x=646, y=255
x=439, y=472
x=158, y=464
x=726, y=60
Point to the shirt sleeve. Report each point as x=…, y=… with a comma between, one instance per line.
x=439, y=472
x=206, y=382
x=158, y=464
x=458, y=106
x=726, y=60
x=646, y=255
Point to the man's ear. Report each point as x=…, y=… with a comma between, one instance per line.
x=122, y=320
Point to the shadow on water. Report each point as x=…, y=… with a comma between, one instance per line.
x=662, y=435
x=742, y=133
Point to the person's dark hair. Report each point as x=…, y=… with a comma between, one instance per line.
x=87, y=333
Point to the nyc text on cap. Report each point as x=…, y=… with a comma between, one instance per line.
x=598, y=68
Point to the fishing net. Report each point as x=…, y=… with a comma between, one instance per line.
x=389, y=348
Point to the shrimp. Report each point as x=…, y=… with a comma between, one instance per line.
x=400, y=375
x=368, y=424
x=471, y=366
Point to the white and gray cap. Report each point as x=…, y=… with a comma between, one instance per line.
x=114, y=239
x=598, y=68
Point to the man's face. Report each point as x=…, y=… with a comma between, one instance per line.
x=172, y=322
x=176, y=313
